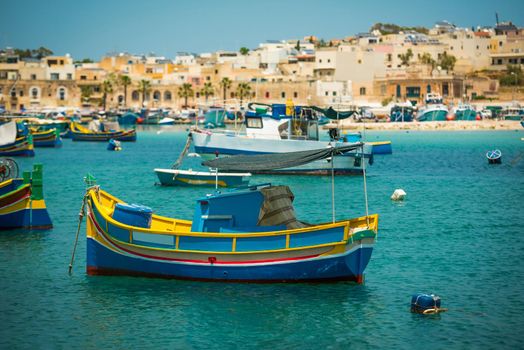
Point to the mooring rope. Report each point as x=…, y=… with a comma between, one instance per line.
x=183, y=153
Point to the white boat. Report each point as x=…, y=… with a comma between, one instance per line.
x=266, y=134
x=434, y=110
x=175, y=177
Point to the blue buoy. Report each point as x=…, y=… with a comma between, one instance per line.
x=114, y=145
x=426, y=304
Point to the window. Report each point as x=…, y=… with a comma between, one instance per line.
x=267, y=94
x=477, y=47
x=232, y=95
x=500, y=43
x=319, y=61
x=412, y=91
x=329, y=60
x=135, y=96
x=359, y=61
x=156, y=95
x=83, y=77
x=283, y=94
x=33, y=76
x=295, y=94
x=13, y=93
x=208, y=78
x=197, y=94
x=55, y=76
x=389, y=57
x=167, y=96
x=254, y=122
x=362, y=91
x=61, y=94
x=327, y=93
x=69, y=76
x=334, y=93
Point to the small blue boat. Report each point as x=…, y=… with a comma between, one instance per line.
x=175, y=177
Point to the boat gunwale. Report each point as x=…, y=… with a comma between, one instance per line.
x=346, y=224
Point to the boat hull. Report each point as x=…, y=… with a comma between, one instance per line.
x=168, y=178
x=347, y=267
x=129, y=135
x=211, y=144
x=22, y=147
x=19, y=210
x=48, y=138
x=433, y=115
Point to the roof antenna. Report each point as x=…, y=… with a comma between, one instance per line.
x=497, y=18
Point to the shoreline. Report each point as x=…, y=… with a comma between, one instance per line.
x=481, y=125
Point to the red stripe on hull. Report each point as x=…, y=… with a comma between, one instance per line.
x=103, y=233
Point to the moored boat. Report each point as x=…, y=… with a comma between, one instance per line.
x=47, y=138
x=176, y=177
x=80, y=133
x=434, y=109
x=234, y=236
x=464, y=112
x=22, y=203
x=11, y=145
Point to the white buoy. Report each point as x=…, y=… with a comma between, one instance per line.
x=398, y=195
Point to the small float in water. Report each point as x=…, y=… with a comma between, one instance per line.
x=114, y=145
x=426, y=304
x=398, y=195
x=494, y=156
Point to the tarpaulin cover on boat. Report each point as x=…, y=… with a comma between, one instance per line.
x=332, y=113
x=277, y=160
x=277, y=208
x=7, y=133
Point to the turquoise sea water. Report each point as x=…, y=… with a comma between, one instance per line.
x=459, y=234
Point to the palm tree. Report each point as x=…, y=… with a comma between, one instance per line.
x=207, y=90
x=125, y=81
x=85, y=92
x=225, y=83
x=243, y=90
x=144, y=86
x=106, y=88
x=185, y=91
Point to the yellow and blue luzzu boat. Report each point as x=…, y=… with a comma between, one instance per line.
x=243, y=235
x=47, y=138
x=22, y=203
x=81, y=133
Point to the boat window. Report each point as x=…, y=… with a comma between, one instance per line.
x=283, y=130
x=255, y=123
x=299, y=129
x=312, y=130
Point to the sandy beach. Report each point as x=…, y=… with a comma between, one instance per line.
x=434, y=126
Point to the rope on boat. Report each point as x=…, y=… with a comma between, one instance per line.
x=81, y=215
x=183, y=153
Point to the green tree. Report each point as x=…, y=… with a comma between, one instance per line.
x=186, y=91
x=85, y=93
x=244, y=51
x=144, y=86
x=427, y=59
x=124, y=81
x=512, y=77
x=447, y=62
x=405, y=57
x=225, y=84
x=106, y=88
x=297, y=46
x=41, y=52
x=207, y=90
x=243, y=91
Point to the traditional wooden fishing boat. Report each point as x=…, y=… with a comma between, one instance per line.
x=13, y=146
x=81, y=133
x=47, y=138
x=243, y=235
x=22, y=203
x=176, y=177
